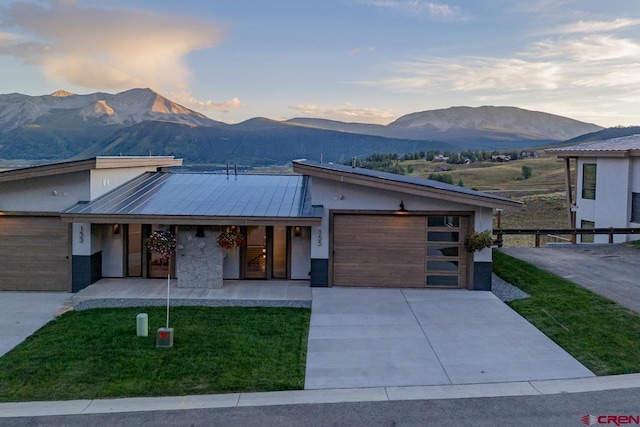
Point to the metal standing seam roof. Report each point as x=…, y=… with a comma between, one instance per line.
x=621, y=144
x=416, y=181
x=204, y=194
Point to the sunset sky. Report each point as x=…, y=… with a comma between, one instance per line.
x=351, y=60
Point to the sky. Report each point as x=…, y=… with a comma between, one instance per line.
x=368, y=61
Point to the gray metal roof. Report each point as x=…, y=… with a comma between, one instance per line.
x=204, y=194
x=622, y=144
x=411, y=180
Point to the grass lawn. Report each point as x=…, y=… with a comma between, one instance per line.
x=635, y=244
x=601, y=334
x=96, y=354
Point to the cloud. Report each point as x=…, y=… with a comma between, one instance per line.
x=595, y=26
x=347, y=113
x=419, y=9
x=358, y=50
x=185, y=98
x=105, y=49
x=588, y=48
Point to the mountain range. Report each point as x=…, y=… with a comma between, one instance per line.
x=141, y=122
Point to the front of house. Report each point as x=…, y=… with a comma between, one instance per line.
x=607, y=185
x=67, y=225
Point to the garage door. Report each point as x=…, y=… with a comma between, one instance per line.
x=398, y=250
x=34, y=254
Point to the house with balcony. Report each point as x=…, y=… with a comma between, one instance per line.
x=607, y=186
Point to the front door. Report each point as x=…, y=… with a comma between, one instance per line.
x=266, y=252
x=255, y=266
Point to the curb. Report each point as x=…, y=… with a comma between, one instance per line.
x=373, y=394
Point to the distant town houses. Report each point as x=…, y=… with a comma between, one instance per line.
x=440, y=158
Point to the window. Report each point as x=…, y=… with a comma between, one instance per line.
x=589, y=181
x=587, y=238
x=635, y=207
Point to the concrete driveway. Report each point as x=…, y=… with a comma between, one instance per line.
x=612, y=271
x=23, y=313
x=405, y=337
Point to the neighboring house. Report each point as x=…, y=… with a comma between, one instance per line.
x=65, y=226
x=607, y=185
x=501, y=158
x=440, y=158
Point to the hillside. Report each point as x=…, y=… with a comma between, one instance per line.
x=609, y=133
x=480, y=127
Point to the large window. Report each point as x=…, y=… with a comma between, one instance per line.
x=589, y=181
x=635, y=207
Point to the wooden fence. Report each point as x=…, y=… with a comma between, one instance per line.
x=573, y=232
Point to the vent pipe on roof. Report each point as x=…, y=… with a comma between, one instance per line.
x=227, y=168
x=235, y=169
x=354, y=162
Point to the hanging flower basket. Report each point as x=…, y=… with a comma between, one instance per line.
x=231, y=239
x=161, y=243
x=477, y=241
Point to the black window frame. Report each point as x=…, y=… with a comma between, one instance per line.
x=635, y=208
x=589, y=184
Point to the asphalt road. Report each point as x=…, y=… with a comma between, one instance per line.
x=544, y=410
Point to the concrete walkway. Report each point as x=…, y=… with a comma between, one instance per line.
x=147, y=292
x=612, y=271
x=420, y=337
x=23, y=313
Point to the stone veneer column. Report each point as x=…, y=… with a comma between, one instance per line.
x=199, y=259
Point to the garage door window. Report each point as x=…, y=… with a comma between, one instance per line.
x=443, y=267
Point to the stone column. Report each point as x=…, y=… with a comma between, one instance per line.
x=199, y=259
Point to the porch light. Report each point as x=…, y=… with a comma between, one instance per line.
x=297, y=231
x=402, y=209
x=116, y=228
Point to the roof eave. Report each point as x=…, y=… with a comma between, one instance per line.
x=592, y=153
x=407, y=188
x=103, y=162
x=188, y=219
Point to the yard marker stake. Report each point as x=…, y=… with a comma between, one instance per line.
x=168, y=288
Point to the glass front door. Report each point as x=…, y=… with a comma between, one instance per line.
x=266, y=255
x=256, y=253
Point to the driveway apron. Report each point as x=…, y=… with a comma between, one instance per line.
x=23, y=313
x=362, y=337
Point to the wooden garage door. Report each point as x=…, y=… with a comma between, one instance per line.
x=34, y=254
x=400, y=250
x=379, y=250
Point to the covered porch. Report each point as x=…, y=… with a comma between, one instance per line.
x=132, y=292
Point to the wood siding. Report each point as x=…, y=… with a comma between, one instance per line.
x=379, y=250
x=35, y=254
x=395, y=250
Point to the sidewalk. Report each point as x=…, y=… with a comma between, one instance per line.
x=138, y=404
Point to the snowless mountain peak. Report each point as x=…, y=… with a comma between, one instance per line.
x=62, y=94
x=125, y=108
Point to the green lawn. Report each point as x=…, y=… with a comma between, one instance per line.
x=96, y=354
x=601, y=334
x=635, y=244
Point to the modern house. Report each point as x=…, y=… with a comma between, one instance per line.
x=67, y=225
x=607, y=185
